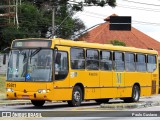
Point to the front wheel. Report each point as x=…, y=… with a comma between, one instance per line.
x=38, y=103
x=76, y=97
x=135, y=95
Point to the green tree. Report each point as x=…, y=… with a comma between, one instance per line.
x=66, y=25
x=117, y=42
x=2, y=22
x=32, y=23
x=35, y=19
x=76, y=5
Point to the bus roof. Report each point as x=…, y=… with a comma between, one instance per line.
x=85, y=44
x=64, y=42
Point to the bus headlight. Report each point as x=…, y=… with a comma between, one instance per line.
x=9, y=90
x=43, y=91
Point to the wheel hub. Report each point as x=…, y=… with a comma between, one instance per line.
x=77, y=96
x=135, y=95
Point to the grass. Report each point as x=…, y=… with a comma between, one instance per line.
x=2, y=86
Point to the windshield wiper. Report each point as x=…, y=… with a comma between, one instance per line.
x=35, y=52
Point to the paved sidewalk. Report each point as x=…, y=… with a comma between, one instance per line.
x=118, y=104
x=5, y=102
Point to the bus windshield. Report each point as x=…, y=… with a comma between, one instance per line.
x=30, y=65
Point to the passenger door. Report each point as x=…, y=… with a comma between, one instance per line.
x=61, y=74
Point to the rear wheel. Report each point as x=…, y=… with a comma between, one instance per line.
x=38, y=103
x=102, y=101
x=76, y=97
x=135, y=95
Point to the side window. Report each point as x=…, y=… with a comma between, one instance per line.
x=92, y=59
x=130, y=62
x=141, y=63
x=77, y=58
x=105, y=60
x=61, y=65
x=118, y=61
x=151, y=64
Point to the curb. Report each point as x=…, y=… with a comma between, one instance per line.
x=13, y=104
x=6, y=102
x=113, y=106
x=22, y=103
x=130, y=105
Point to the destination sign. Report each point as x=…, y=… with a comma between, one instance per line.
x=31, y=43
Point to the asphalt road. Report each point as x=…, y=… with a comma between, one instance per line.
x=61, y=106
x=87, y=111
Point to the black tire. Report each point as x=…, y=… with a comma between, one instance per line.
x=76, y=97
x=38, y=103
x=102, y=101
x=135, y=95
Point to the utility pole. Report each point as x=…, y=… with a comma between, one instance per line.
x=17, y=14
x=9, y=11
x=20, y=2
x=53, y=22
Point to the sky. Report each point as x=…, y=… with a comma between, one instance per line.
x=145, y=15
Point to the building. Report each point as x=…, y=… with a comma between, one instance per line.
x=133, y=38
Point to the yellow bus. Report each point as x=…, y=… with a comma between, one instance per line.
x=63, y=70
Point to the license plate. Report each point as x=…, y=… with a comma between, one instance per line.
x=25, y=96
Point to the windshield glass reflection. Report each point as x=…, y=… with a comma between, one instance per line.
x=30, y=65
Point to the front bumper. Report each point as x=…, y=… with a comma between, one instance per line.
x=27, y=96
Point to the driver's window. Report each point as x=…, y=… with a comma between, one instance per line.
x=61, y=65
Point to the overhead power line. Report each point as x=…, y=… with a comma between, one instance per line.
x=139, y=8
x=95, y=15
x=99, y=16
x=141, y=3
x=88, y=29
x=146, y=22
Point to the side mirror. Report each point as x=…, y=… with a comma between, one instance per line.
x=4, y=59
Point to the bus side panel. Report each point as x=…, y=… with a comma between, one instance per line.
x=145, y=91
x=90, y=81
x=143, y=79
x=92, y=93
x=118, y=83
x=62, y=94
x=106, y=84
x=145, y=83
x=108, y=92
x=130, y=79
